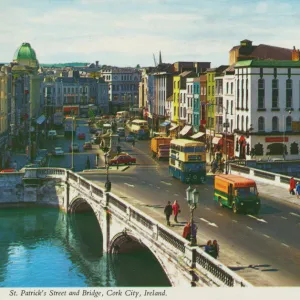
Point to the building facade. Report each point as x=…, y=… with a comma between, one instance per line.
x=123, y=87
x=196, y=105
x=189, y=100
x=267, y=103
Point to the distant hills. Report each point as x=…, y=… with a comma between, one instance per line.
x=72, y=64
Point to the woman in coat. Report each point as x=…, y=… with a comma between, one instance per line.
x=292, y=185
x=176, y=209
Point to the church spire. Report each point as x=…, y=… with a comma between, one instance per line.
x=160, y=60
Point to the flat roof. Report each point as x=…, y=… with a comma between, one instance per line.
x=236, y=178
x=186, y=142
x=268, y=63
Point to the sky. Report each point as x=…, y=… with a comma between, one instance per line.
x=128, y=32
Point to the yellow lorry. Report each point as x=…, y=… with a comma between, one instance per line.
x=236, y=192
x=160, y=147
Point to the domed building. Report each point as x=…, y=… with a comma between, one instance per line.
x=26, y=56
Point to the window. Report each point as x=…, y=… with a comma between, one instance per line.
x=275, y=124
x=289, y=94
x=247, y=121
x=275, y=93
x=202, y=90
x=242, y=126
x=213, y=90
x=242, y=99
x=261, y=93
x=261, y=124
x=227, y=106
x=237, y=122
x=227, y=87
x=288, y=123
x=231, y=88
x=231, y=108
x=247, y=98
x=237, y=93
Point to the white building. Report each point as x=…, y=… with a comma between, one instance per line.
x=189, y=101
x=267, y=101
x=123, y=85
x=183, y=105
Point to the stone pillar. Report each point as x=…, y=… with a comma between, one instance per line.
x=66, y=197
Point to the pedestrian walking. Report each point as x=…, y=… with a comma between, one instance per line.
x=215, y=249
x=187, y=231
x=292, y=186
x=168, y=212
x=298, y=189
x=208, y=247
x=15, y=165
x=176, y=210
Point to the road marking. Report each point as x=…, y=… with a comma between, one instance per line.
x=167, y=183
x=285, y=245
x=293, y=214
x=260, y=220
x=206, y=189
x=207, y=208
x=235, y=221
x=131, y=185
x=267, y=236
x=284, y=218
x=158, y=187
x=143, y=181
x=150, y=184
x=220, y=214
x=176, y=195
x=209, y=223
x=167, y=191
x=250, y=228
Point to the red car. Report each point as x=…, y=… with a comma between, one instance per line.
x=123, y=159
x=87, y=146
x=81, y=136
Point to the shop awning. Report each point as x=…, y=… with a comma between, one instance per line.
x=197, y=135
x=173, y=128
x=216, y=140
x=70, y=108
x=166, y=123
x=185, y=129
x=40, y=119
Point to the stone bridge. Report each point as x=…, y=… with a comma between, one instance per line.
x=124, y=227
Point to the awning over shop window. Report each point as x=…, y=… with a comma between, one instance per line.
x=70, y=108
x=197, y=135
x=216, y=140
x=173, y=128
x=185, y=129
x=166, y=123
x=40, y=119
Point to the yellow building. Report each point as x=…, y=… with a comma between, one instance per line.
x=4, y=94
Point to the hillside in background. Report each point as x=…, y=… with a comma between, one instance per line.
x=60, y=65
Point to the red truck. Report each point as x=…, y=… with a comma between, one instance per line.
x=160, y=147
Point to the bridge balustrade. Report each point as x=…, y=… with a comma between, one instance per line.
x=171, y=239
x=84, y=183
x=117, y=203
x=72, y=176
x=50, y=171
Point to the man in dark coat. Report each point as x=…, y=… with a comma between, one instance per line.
x=168, y=212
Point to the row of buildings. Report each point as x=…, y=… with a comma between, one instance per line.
x=248, y=108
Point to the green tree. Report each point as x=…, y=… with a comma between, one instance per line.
x=91, y=114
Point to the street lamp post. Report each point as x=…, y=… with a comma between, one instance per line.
x=107, y=183
x=72, y=145
x=284, y=130
x=192, y=197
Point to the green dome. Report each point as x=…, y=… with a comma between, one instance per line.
x=24, y=52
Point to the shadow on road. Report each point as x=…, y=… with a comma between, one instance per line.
x=255, y=267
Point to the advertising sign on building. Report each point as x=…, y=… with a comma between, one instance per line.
x=276, y=139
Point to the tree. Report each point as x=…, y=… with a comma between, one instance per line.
x=138, y=66
x=91, y=114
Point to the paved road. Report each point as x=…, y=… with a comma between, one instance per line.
x=264, y=249
x=80, y=158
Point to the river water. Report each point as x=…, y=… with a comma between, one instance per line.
x=43, y=247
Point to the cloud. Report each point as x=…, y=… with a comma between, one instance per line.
x=132, y=30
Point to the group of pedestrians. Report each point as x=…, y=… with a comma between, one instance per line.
x=212, y=248
x=293, y=186
x=172, y=209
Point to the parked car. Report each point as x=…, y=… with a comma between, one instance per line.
x=87, y=146
x=52, y=134
x=58, y=151
x=121, y=131
x=43, y=152
x=75, y=147
x=41, y=161
x=129, y=138
x=81, y=136
x=123, y=159
x=8, y=171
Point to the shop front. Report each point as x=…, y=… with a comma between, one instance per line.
x=69, y=109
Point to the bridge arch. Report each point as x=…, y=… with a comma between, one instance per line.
x=80, y=204
x=126, y=242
